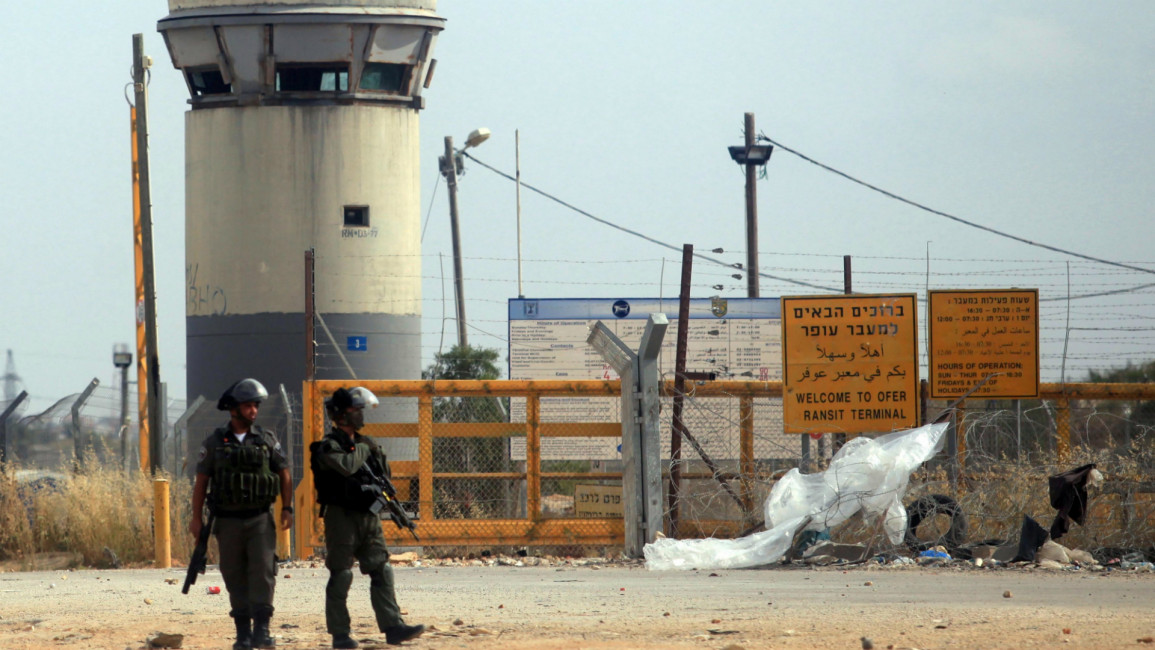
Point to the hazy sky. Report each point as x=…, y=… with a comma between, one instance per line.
x=1034, y=118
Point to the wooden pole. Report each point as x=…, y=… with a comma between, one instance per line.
x=678, y=426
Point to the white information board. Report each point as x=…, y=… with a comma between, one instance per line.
x=735, y=338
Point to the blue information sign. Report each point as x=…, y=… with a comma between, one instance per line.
x=357, y=343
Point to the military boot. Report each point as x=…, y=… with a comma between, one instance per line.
x=344, y=641
x=244, y=634
x=261, y=637
x=398, y=634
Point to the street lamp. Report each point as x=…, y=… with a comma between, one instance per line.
x=751, y=155
x=122, y=358
x=451, y=164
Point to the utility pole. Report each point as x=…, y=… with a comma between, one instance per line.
x=751, y=214
x=678, y=426
x=151, y=437
x=449, y=170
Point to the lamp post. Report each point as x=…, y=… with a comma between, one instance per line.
x=122, y=358
x=751, y=155
x=451, y=166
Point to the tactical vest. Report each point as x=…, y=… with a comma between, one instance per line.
x=242, y=479
x=333, y=488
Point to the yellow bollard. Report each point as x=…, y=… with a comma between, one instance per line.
x=162, y=527
x=284, y=546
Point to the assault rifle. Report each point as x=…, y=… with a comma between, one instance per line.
x=196, y=563
x=386, y=504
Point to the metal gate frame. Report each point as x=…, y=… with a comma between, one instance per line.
x=533, y=530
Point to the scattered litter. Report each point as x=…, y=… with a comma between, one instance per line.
x=213, y=590
x=171, y=581
x=717, y=632
x=147, y=601
x=825, y=553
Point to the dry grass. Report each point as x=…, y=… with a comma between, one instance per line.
x=996, y=494
x=100, y=517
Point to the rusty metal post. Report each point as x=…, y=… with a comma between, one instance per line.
x=923, y=401
x=746, y=454
x=677, y=425
x=533, y=456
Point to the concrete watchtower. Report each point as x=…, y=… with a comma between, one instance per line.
x=302, y=133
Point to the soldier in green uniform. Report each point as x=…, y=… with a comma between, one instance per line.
x=339, y=462
x=241, y=471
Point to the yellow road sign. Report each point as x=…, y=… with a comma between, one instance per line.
x=975, y=333
x=850, y=363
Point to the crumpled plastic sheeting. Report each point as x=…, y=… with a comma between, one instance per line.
x=765, y=547
x=866, y=474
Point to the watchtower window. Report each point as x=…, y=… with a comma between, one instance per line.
x=357, y=216
x=313, y=77
x=208, y=81
x=386, y=77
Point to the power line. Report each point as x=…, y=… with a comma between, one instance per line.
x=638, y=234
x=940, y=213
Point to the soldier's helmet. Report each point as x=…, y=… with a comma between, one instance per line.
x=245, y=390
x=345, y=398
x=365, y=396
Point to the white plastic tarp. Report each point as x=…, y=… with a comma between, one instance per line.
x=866, y=474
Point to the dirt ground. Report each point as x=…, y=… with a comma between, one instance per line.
x=620, y=605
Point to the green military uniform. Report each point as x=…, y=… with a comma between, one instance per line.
x=351, y=531
x=244, y=482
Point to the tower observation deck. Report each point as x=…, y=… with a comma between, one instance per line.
x=302, y=133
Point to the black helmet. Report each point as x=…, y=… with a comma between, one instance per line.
x=245, y=390
x=344, y=398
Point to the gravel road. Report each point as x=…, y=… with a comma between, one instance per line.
x=609, y=606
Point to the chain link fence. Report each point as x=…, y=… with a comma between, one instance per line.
x=996, y=471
